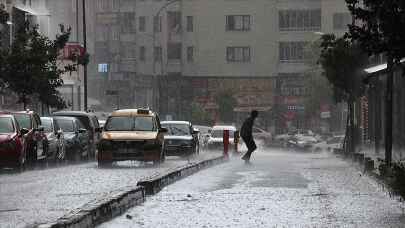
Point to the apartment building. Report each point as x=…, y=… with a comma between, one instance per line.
x=254, y=48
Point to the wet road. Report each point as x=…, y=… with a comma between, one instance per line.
x=279, y=189
x=45, y=194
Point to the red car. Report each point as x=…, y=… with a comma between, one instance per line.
x=35, y=138
x=12, y=142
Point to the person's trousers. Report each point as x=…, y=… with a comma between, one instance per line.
x=250, y=144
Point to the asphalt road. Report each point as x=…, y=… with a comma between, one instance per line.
x=42, y=195
x=279, y=189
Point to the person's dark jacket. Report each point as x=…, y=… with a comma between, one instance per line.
x=246, y=130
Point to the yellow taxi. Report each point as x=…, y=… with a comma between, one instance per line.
x=131, y=134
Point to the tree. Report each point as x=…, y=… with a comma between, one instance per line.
x=380, y=31
x=319, y=89
x=342, y=62
x=30, y=67
x=226, y=103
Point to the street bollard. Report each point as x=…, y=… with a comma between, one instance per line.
x=226, y=142
x=236, y=138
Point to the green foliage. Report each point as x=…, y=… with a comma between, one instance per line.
x=226, y=103
x=30, y=67
x=343, y=62
x=319, y=89
x=199, y=115
x=380, y=26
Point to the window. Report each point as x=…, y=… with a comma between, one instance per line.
x=291, y=51
x=174, y=21
x=101, y=33
x=142, y=24
x=142, y=53
x=299, y=20
x=128, y=23
x=238, y=23
x=157, y=23
x=190, y=24
x=157, y=54
x=104, y=5
x=174, y=51
x=6, y=125
x=128, y=50
x=102, y=67
x=341, y=20
x=190, y=54
x=238, y=54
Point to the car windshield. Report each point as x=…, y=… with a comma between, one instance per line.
x=123, y=123
x=66, y=125
x=24, y=120
x=47, y=124
x=6, y=125
x=177, y=129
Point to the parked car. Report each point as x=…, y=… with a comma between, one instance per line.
x=55, y=142
x=336, y=142
x=216, y=137
x=76, y=138
x=12, y=143
x=90, y=123
x=204, y=135
x=35, y=137
x=181, y=138
x=132, y=134
x=302, y=142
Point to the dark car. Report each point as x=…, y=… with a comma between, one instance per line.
x=12, y=142
x=35, y=138
x=90, y=123
x=76, y=138
x=181, y=138
x=55, y=143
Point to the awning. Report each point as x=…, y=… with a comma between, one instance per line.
x=35, y=12
x=379, y=68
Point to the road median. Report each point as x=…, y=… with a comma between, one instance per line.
x=119, y=201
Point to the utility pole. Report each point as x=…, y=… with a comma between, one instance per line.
x=85, y=50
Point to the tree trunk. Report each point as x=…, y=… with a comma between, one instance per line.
x=377, y=117
x=351, y=126
x=388, y=110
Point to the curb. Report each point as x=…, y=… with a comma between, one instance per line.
x=153, y=185
x=117, y=202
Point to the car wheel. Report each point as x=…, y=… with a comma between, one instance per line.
x=104, y=164
x=162, y=156
x=60, y=155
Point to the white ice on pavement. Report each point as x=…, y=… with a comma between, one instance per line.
x=280, y=189
x=39, y=196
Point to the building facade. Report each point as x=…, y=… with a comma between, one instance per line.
x=199, y=42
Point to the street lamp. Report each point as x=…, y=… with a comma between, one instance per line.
x=156, y=17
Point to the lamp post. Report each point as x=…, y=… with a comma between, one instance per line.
x=156, y=17
x=85, y=49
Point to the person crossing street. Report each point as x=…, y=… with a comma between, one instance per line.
x=247, y=136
